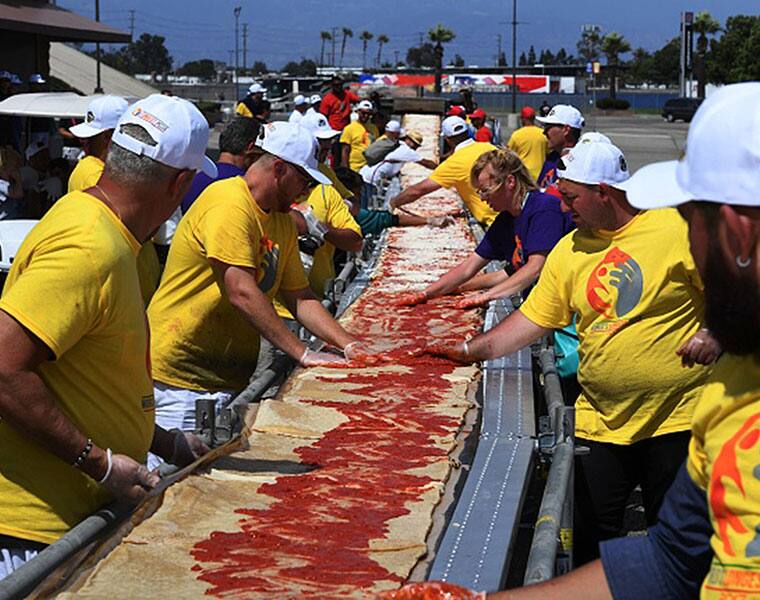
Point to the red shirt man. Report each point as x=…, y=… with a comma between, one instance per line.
x=336, y=105
x=482, y=132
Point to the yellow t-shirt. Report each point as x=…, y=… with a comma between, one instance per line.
x=149, y=271
x=242, y=110
x=530, y=144
x=359, y=136
x=327, y=171
x=86, y=174
x=724, y=460
x=328, y=206
x=74, y=285
x=455, y=172
x=638, y=298
x=199, y=340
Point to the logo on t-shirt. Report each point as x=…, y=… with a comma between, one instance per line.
x=620, y=271
x=269, y=262
x=727, y=480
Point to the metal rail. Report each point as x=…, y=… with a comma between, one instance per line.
x=553, y=529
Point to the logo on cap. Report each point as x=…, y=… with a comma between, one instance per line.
x=150, y=119
x=90, y=117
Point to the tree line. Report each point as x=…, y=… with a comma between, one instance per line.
x=723, y=54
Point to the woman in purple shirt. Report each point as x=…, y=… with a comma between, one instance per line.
x=529, y=225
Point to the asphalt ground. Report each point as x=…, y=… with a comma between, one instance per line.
x=642, y=138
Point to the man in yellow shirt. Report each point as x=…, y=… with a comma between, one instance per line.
x=76, y=401
x=250, y=105
x=529, y=142
x=95, y=134
x=233, y=252
x=631, y=281
x=357, y=137
x=102, y=115
x=454, y=172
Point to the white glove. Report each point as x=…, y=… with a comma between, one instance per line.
x=314, y=226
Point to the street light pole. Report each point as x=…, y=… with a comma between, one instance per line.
x=98, y=89
x=237, y=53
x=514, y=56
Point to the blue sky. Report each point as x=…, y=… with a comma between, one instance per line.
x=285, y=30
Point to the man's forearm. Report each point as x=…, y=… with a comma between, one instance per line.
x=509, y=336
x=312, y=315
x=588, y=582
x=408, y=196
x=260, y=313
x=28, y=406
x=344, y=239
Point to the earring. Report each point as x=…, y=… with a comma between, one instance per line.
x=743, y=263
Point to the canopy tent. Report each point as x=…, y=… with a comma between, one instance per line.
x=48, y=104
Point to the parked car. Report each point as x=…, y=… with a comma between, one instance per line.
x=680, y=108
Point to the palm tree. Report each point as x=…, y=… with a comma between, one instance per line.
x=347, y=33
x=326, y=37
x=365, y=37
x=381, y=39
x=704, y=25
x=613, y=45
x=439, y=35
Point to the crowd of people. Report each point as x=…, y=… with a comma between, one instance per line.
x=100, y=386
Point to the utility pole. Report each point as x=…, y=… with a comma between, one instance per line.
x=98, y=89
x=421, y=36
x=245, y=44
x=514, y=56
x=395, y=52
x=334, y=33
x=236, y=11
x=132, y=23
x=498, y=50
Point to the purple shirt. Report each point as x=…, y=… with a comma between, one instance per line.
x=548, y=174
x=201, y=181
x=537, y=229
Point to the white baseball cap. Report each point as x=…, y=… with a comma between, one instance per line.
x=722, y=159
x=102, y=114
x=299, y=100
x=178, y=128
x=563, y=114
x=365, y=105
x=393, y=126
x=452, y=126
x=294, y=144
x=593, y=163
x=318, y=124
x=315, y=98
x=256, y=88
x=594, y=136
x=33, y=148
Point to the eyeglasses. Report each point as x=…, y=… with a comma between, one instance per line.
x=485, y=193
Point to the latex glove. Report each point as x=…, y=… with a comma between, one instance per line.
x=310, y=358
x=411, y=298
x=440, y=221
x=315, y=227
x=701, y=349
x=129, y=480
x=187, y=448
x=473, y=300
x=361, y=352
x=432, y=590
